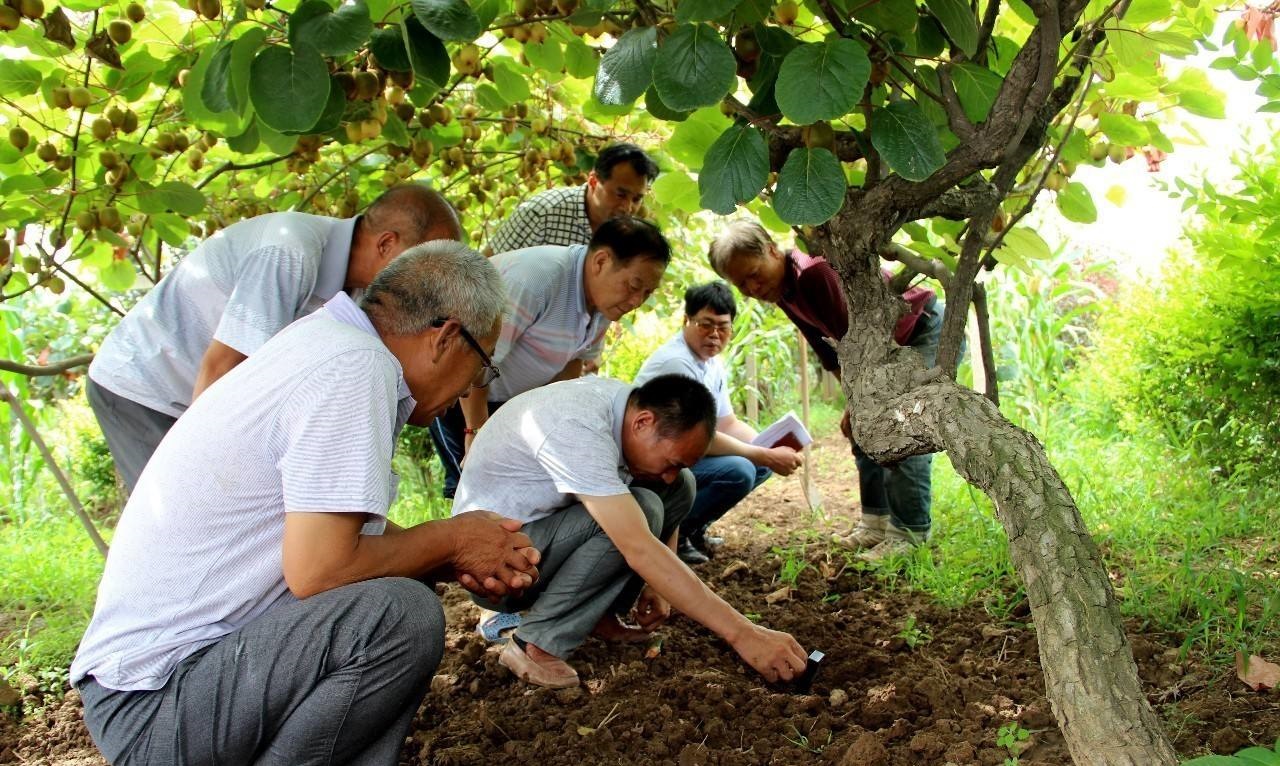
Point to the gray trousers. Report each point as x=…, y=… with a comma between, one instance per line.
x=333, y=679
x=583, y=576
x=133, y=431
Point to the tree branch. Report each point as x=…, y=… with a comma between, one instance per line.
x=956, y=118
x=914, y=263
x=42, y=370
x=983, y=317
x=229, y=166
x=960, y=203
x=984, y=32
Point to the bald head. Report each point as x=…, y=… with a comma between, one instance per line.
x=402, y=217
x=416, y=212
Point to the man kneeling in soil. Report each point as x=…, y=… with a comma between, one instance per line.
x=562, y=459
x=257, y=607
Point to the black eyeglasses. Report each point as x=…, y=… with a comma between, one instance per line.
x=488, y=370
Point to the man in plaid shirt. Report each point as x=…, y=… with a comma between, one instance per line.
x=568, y=215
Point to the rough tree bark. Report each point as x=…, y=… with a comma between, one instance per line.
x=899, y=409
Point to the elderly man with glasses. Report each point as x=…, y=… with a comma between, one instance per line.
x=733, y=466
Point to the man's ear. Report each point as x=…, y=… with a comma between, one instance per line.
x=592, y=180
x=443, y=339
x=643, y=421
x=600, y=258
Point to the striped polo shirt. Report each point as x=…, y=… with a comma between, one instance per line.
x=547, y=323
x=307, y=423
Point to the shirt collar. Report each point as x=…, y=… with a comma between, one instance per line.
x=345, y=310
x=336, y=257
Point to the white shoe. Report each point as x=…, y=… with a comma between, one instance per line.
x=897, y=542
x=869, y=533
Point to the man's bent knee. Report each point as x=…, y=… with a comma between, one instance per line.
x=411, y=616
x=651, y=504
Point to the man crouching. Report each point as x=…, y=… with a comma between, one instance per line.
x=597, y=470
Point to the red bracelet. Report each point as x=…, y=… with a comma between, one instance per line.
x=469, y=431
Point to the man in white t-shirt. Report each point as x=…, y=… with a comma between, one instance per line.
x=229, y=296
x=597, y=471
x=733, y=466
x=257, y=606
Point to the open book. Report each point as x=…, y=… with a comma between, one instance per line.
x=786, y=431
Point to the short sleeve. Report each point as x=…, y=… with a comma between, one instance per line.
x=582, y=459
x=270, y=290
x=337, y=427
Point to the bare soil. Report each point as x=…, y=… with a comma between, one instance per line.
x=905, y=681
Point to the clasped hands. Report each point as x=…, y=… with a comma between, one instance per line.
x=491, y=556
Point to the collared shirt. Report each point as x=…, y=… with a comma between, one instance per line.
x=307, y=423
x=544, y=449
x=552, y=217
x=239, y=287
x=675, y=357
x=547, y=323
x=813, y=301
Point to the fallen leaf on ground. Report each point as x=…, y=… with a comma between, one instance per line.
x=653, y=650
x=733, y=569
x=781, y=594
x=1257, y=673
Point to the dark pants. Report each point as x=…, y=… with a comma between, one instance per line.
x=582, y=575
x=723, y=481
x=132, y=431
x=904, y=492
x=333, y=679
x=448, y=434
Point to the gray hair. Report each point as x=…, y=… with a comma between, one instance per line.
x=738, y=238
x=435, y=280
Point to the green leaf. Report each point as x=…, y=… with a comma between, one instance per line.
x=216, y=89
x=1172, y=43
x=704, y=10
x=735, y=170
x=448, y=19
x=822, y=81
x=332, y=32
x=387, y=46
x=889, y=15
x=626, y=69
x=172, y=228
x=546, y=56
x=906, y=139
x=976, y=87
x=1258, y=756
x=1076, y=203
x=1132, y=52
x=1022, y=245
x=119, y=275
x=692, y=138
x=427, y=55
x=1212, y=760
x=395, y=131
x=579, y=59
x=694, y=67
x=289, y=87
x=511, y=83
x=958, y=21
x=18, y=78
x=676, y=189
x=247, y=142
x=811, y=187
x=1146, y=11
x=489, y=98
x=334, y=108
x=1197, y=95
x=176, y=196
x=242, y=52
x=654, y=106
x=1122, y=129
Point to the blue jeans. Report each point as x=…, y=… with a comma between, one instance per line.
x=904, y=492
x=723, y=481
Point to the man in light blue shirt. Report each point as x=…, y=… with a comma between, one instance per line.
x=560, y=301
x=733, y=466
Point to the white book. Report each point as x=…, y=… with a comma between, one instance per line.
x=786, y=431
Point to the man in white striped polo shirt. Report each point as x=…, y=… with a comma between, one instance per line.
x=257, y=606
x=597, y=470
x=560, y=300
x=229, y=296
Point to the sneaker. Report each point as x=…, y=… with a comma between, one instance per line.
x=497, y=626
x=869, y=533
x=549, y=672
x=689, y=554
x=897, y=542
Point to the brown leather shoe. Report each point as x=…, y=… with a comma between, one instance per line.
x=551, y=672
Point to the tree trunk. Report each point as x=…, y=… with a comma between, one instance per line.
x=897, y=409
